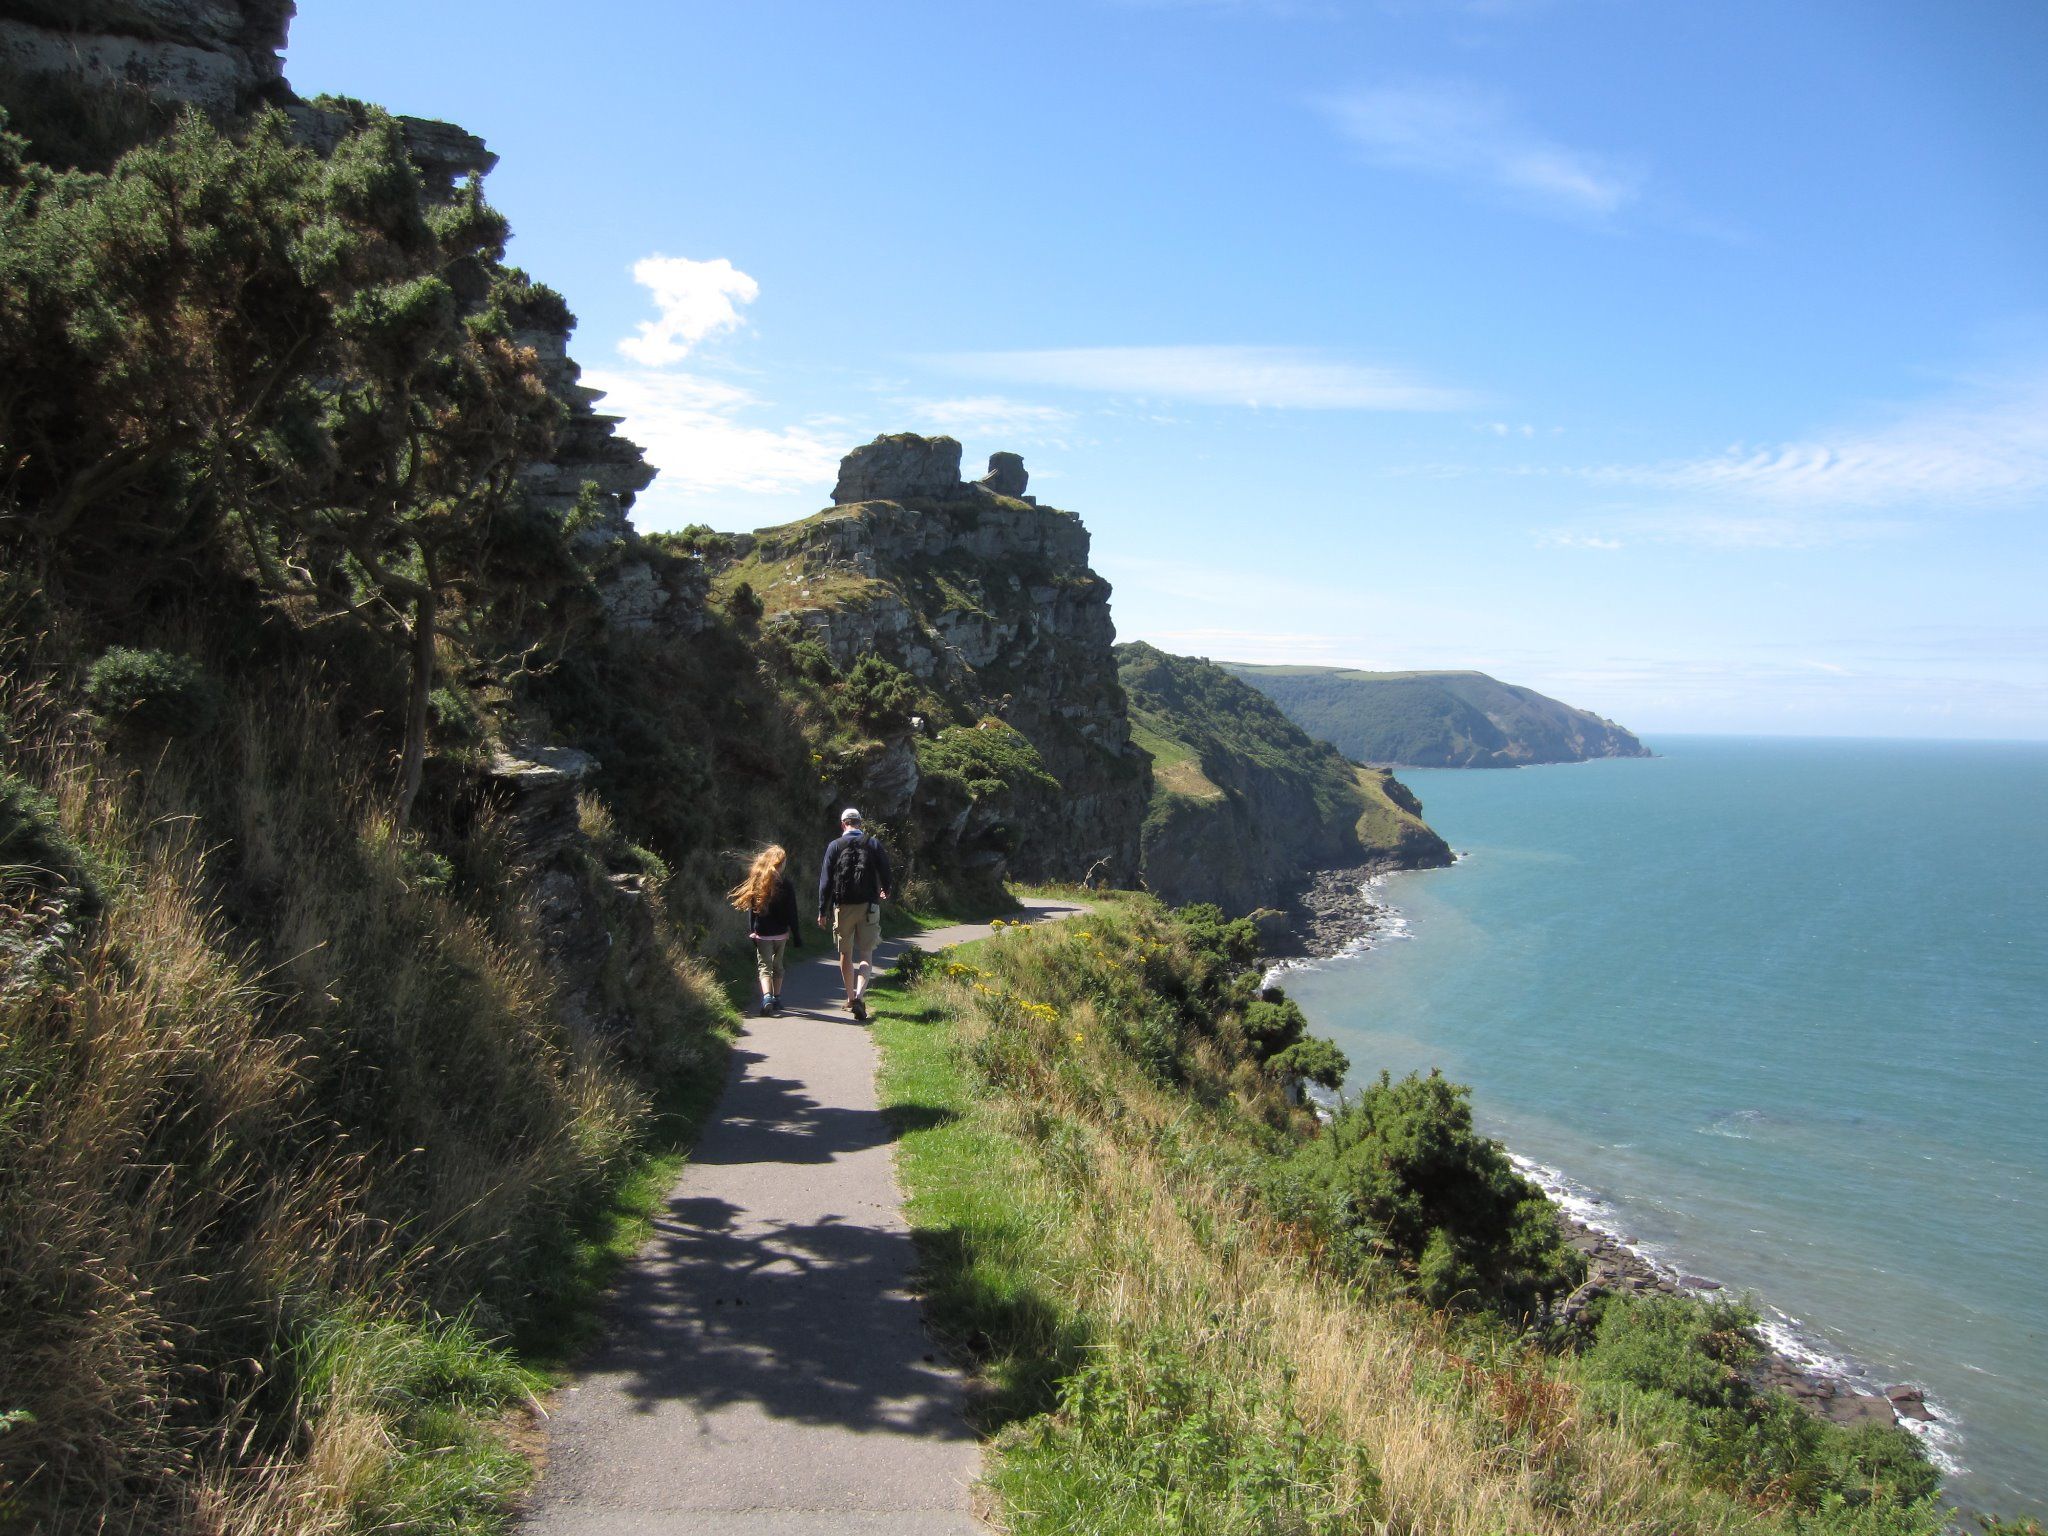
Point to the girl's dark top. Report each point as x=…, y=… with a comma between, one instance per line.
x=779, y=916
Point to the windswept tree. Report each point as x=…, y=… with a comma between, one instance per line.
x=229, y=347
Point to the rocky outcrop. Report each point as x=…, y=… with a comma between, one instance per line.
x=900, y=466
x=535, y=789
x=989, y=602
x=1006, y=475
x=220, y=55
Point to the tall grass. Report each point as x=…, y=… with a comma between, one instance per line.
x=290, y=1130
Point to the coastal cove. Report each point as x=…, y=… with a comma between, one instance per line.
x=1773, y=1009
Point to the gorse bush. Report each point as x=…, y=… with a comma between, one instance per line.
x=228, y=347
x=1679, y=1370
x=153, y=691
x=1313, y=1060
x=880, y=694
x=989, y=760
x=1401, y=1173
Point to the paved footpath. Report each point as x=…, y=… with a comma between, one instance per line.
x=764, y=1368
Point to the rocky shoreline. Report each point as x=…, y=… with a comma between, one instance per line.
x=1335, y=914
x=1332, y=915
x=1613, y=1268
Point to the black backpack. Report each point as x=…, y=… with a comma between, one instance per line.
x=853, y=873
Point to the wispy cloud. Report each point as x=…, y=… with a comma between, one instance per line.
x=1980, y=448
x=987, y=416
x=1563, y=539
x=1279, y=378
x=1988, y=448
x=1457, y=131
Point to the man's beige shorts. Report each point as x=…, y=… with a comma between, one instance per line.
x=857, y=928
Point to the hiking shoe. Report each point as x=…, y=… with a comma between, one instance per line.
x=860, y=1008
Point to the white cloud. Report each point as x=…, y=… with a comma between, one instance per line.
x=1562, y=539
x=1456, y=131
x=1282, y=378
x=1985, y=450
x=694, y=427
x=694, y=299
x=692, y=431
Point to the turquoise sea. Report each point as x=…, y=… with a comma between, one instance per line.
x=1776, y=1010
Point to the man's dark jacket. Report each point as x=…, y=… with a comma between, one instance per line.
x=880, y=877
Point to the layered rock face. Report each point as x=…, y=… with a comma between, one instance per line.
x=217, y=54
x=988, y=600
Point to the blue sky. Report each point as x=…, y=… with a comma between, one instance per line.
x=1689, y=362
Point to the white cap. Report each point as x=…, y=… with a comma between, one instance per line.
x=849, y=817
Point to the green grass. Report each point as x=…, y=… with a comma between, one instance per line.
x=978, y=1212
x=430, y=1393
x=785, y=586
x=1176, y=767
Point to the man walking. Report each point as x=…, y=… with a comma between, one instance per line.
x=853, y=882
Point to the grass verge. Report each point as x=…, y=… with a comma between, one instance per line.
x=1157, y=1351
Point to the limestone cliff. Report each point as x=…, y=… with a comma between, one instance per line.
x=986, y=600
x=1245, y=805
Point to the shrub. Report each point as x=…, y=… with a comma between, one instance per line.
x=36, y=852
x=456, y=718
x=153, y=691
x=988, y=758
x=1678, y=1369
x=880, y=694
x=745, y=603
x=1273, y=1025
x=1314, y=1060
x=1400, y=1172
x=1232, y=941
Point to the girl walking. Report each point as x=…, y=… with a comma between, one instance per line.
x=769, y=900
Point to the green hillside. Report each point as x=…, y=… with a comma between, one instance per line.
x=1436, y=719
x=1244, y=803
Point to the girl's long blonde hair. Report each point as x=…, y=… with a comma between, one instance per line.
x=753, y=893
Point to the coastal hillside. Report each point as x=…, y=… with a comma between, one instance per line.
x=1244, y=805
x=369, y=789
x=1436, y=719
x=1193, y=1305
